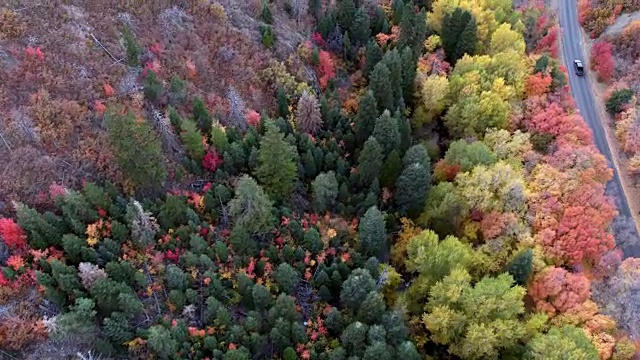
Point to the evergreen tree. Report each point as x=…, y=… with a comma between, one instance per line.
x=409, y=69
x=407, y=351
x=251, y=208
x=372, y=55
x=202, y=116
x=266, y=15
x=161, y=342
x=315, y=8
x=372, y=308
x=366, y=116
x=308, y=116
x=407, y=27
x=392, y=60
x=386, y=132
x=378, y=351
x=391, y=169
x=283, y=103
x=411, y=189
x=459, y=34
x=137, y=149
x=417, y=154
x=192, y=139
x=356, y=288
x=521, y=267
x=370, y=161
x=325, y=191
x=153, y=89
x=132, y=47
x=361, y=29
x=346, y=14
x=372, y=233
x=287, y=278
x=398, y=10
x=278, y=170
x=379, y=86
x=354, y=338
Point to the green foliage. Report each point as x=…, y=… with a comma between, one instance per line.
x=278, y=169
x=117, y=328
x=477, y=321
x=459, y=34
x=192, y=139
x=373, y=55
x=469, y=155
x=411, y=189
x=161, y=342
x=366, y=117
x=268, y=36
x=42, y=230
x=417, y=154
x=202, y=117
x=387, y=133
x=618, y=99
x=371, y=233
x=287, y=278
x=265, y=14
x=391, y=169
x=372, y=308
x=567, y=342
x=370, y=161
x=346, y=13
x=361, y=29
x=354, y=338
x=137, y=149
x=521, y=267
x=176, y=278
x=379, y=86
x=132, y=46
x=79, y=321
x=325, y=191
x=112, y=296
x=355, y=289
x=251, y=209
x=153, y=88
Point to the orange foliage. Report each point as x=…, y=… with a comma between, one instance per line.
x=326, y=68
x=602, y=60
x=537, y=84
x=444, y=171
x=555, y=290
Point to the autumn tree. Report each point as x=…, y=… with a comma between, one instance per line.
x=567, y=342
x=458, y=34
x=371, y=233
x=137, y=149
x=475, y=321
x=277, y=170
x=251, y=209
x=602, y=61
x=308, y=116
x=506, y=39
x=433, y=91
x=555, y=290
x=469, y=155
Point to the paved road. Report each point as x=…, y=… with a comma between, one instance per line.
x=581, y=90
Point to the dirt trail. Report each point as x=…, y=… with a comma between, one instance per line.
x=621, y=23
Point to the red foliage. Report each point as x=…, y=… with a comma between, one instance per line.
x=326, y=68
x=549, y=43
x=108, y=90
x=212, y=160
x=602, y=60
x=444, y=171
x=318, y=40
x=494, y=223
x=253, y=118
x=537, y=84
x=37, y=53
x=555, y=290
x=12, y=234
x=156, y=49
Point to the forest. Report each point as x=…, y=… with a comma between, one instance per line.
x=308, y=179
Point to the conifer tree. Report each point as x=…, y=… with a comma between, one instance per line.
x=372, y=55
x=361, y=29
x=409, y=68
x=411, y=189
x=153, y=88
x=379, y=86
x=346, y=14
x=392, y=60
x=366, y=117
x=202, y=116
x=137, y=149
x=387, y=133
x=277, y=169
x=132, y=47
x=325, y=191
x=370, y=161
x=283, y=103
x=251, y=209
x=192, y=139
x=459, y=34
x=308, y=116
x=391, y=169
x=372, y=233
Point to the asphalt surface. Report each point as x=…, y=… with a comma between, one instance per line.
x=581, y=91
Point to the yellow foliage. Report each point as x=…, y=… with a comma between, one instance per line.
x=399, y=249
x=432, y=43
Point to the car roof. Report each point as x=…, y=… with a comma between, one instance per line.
x=578, y=62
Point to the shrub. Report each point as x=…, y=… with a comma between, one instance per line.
x=602, y=60
x=268, y=36
x=618, y=99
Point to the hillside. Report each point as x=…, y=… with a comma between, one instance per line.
x=301, y=179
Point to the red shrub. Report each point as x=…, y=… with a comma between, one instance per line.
x=212, y=160
x=537, y=84
x=12, y=234
x=326, y=68
x=549, y=43
x=253, y=118
x=602, y=60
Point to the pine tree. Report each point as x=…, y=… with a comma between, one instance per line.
x=372, y=233
x=379, y=86
x=372, y=55
x=398, y=11
x=361, y=29
x=278, y=170
x=521, y=267
x=354, y=339
x=283, y=103
x=386, y=132
x=315, y=8
x=192, y=139
x=153, y=89
x=409, y=68
x=370, y=161
x=411, y=189
x=287, y=278
x=391, y=169
x=132, y=47
x=251, y=208
x=392, y=60
x=407, y=27
x=137, y=149
x=346, y=14
x=325, y=191
x=266, y=15
x=417, y=154
x=372, y=308
x=202, y=116
x=365, y=119
x=356, y=288
x=308, y=116
x=459, y=35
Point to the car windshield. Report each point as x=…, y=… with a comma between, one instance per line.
x=579, y=64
